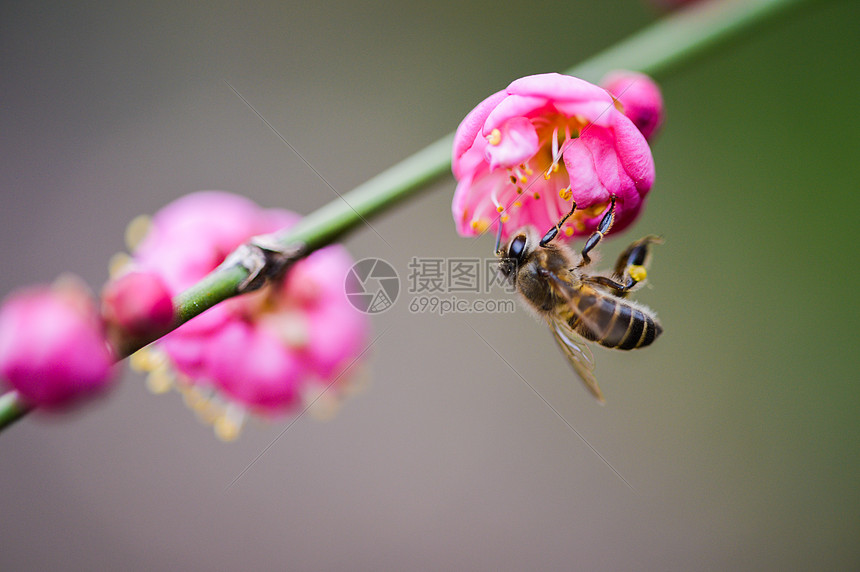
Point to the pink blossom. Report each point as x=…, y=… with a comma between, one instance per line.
x=52, y=345
x=137, y=304
x=259, y=351
x=525, y=152
x=639, y=97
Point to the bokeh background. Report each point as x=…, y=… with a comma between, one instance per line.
x=739, y=429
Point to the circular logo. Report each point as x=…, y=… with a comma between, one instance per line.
x=372, y=285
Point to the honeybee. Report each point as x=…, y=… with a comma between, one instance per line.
x=551, y=280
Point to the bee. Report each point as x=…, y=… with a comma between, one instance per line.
x=551, y=279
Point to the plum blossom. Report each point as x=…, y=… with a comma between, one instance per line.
x=524, y=153
x=639, y=97
x=53, y=348
x=137, y=304
x=262, y=353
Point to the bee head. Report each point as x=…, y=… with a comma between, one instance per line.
x=512, y=255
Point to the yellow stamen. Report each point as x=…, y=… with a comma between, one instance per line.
x=159, y=381
x=192, y=397
x=209, y=413
x=136, y=231
x=565, y=194
x=595, y=210
x=495, y=137
x=321, y=404
x=568, y=231
x=518, y=204
x=519, y=190
x=536, y=195
x=226, y=429
x=480, y=225
x=146, y=360
x=500, y=209
x=118, y=264
x=505, y=218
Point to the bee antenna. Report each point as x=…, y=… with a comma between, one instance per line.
x=499, y=236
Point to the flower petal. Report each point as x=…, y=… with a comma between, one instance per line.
x=472, y=125
x=557, y=88
x=517, y=143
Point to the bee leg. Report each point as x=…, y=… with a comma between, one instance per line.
x=553, y=231
x=632, y=264
x=608, y=283
x=602, y=229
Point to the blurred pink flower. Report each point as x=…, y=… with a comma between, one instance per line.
x=640, y=99
x=525, y=152
x=261, y=352
x=137, y=304
x=52, y=345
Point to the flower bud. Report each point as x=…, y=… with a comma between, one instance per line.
x=137, y=304
x=640, y=99
x=52, y=345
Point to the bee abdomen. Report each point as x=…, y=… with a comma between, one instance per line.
x=615, y=325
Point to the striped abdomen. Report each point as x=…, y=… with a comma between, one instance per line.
x=612, y=322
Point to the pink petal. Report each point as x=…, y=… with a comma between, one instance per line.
x=510, y=108
x=634, y=153
x=557, y=88
x=585, y=181
x=254, y=368
x=518, y=143
x=601, y=112
x=472, y=125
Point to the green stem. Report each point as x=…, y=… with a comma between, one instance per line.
x=679, y=39
x=12, y=408
x=658, y=50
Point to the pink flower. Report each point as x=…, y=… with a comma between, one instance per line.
x=52, y=345
x=639, y=97
x=525, y=152
x=262, y=352
x=137, y=304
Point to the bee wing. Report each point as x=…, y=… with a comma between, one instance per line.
x=572, y=344
x=577, y=353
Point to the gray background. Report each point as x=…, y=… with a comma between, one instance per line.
x=739, y=428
